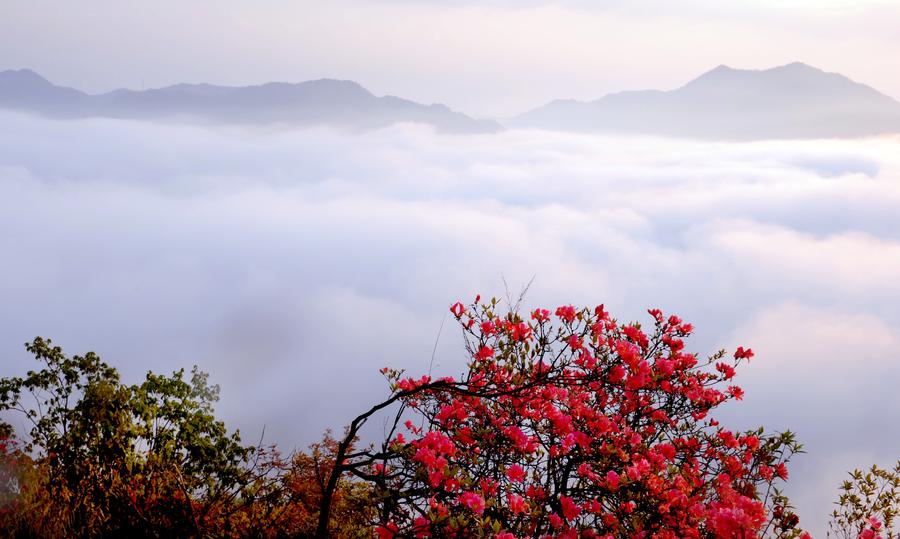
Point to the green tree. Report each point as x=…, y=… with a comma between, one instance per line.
x=149, y=459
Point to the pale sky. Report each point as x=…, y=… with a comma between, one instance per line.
x=491, y=58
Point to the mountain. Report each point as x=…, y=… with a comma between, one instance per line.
x=791, y=101
x=345, y=104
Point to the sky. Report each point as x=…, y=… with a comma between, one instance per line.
x=492, y=58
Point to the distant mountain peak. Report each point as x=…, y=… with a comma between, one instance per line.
x=24, y=72
x=342, y=85
x=797, y=66
x=335, y=82
x=722, y=70
x=25, y=88
x=794, y=100
x=22, y=76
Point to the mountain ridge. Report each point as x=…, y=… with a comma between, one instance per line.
x=342, y=103
x=794, y=100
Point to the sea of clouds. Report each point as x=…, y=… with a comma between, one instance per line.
x=293, y=264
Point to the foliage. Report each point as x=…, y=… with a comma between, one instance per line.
x=352, y=504
x=573, y=426
x=99, y=445
x=12, y=465
x=569, y=425
x=102, y=459
x=868, y=505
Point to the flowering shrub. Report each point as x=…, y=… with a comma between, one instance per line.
x=573, y=425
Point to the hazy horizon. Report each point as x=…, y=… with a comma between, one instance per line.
x=490, y=59
x=794, y=101
x=688, y=79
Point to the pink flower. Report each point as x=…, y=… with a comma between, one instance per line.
x=612, y=480
x=556, y=521
x=515, y=473
x=516, y=503
x=874, y=523
x=472, y=501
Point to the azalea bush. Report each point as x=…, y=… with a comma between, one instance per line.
x=569, y=424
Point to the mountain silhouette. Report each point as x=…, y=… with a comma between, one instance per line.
x=340, y=103
x=791, y=101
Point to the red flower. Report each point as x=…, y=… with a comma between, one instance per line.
x=566, y=313
x=574, y=342
x=515, y=473
x=636, y=336
x=569, y=509
x=781, y=471
x=520, y=331
x=483, y=353
x=422, y=524
x=387, y=531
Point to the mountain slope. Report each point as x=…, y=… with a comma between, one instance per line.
x=344, y=104
x=791, y=101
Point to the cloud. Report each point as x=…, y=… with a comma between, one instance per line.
x=292, y=265
x=831, y=375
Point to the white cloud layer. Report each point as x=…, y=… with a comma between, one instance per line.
x=294, y=264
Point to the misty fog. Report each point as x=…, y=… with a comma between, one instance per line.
x=293, y=264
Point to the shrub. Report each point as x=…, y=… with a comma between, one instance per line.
x=868, y=504
x=572, y=425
